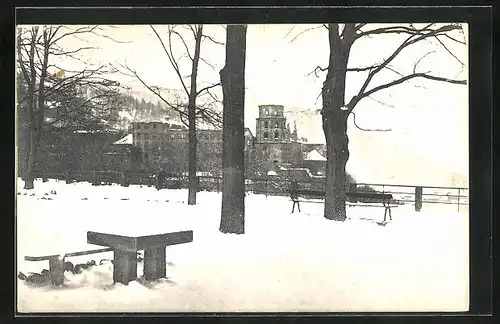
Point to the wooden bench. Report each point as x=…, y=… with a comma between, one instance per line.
x=56, y=262
x=354, y=198
x=125, y=252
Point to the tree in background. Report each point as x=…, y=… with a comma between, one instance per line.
x=233, y=145
x=336, y=108
x=188, y=108
x=83, y=99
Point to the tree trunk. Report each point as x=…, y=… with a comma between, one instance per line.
x=192, y=160
x=335, y=126
x=36, y=117
x=233, y=145
x=30, y=166
x=192, y=185
x=337, y=155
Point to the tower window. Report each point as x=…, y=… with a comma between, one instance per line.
x=276, y=135
x=267, y=112
x=277, y=125
x=275, y=113
x=266, y=135
x=266, y=124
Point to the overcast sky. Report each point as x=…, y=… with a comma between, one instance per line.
x=427, y=117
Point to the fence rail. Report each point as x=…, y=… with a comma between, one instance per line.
x=415, y=194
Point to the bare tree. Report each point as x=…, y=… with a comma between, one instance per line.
x=192, y=112
x=335, y=111
x=233, y=160
x=38, y=48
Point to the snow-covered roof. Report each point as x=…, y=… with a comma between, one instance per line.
x=314, y=155
x=127, y=140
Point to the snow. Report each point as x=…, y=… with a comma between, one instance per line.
x=284, y=262
x=128, y=139
x=314, y=155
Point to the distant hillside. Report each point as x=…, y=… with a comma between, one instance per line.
x=145, y=106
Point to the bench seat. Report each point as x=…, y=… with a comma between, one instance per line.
x=353, y=199
x=56, y=262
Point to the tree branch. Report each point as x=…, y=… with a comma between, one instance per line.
x=449, y=52
x=420, y=59
x=357, y=98
x=207, y=88
x=170, y=56
x=183, y=42
x=304, y=31
x=212, y=40
x=366, y=129
x=416, y=35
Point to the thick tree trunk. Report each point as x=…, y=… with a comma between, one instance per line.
x=335, y=126
x=337, y=156
x=233, y=146
x=29, y=177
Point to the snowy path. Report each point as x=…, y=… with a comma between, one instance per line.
x=298, y=262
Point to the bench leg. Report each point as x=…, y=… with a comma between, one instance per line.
x=387, y=208
x=155, y=265
x=125, y=267
x=56, y=269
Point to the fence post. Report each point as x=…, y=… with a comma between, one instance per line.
x=158, y=181
x=265, y=187
x=418, y=198
x=124, y=179
x=458, y=202
x=68, y=177
x=94, y=178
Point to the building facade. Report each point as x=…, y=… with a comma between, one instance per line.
x=165, y=145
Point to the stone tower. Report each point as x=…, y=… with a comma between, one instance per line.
x=271, y=124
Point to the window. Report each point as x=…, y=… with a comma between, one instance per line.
x=146, y=136
x=267, y=112
x=275, y=113
x=277, y=125
x=173, y=136
x=276, y=135
x=153, y=136
x=266, y=135
x=266, y=124
x=154, y=125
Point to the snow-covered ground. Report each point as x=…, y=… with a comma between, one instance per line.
x=284, y=262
